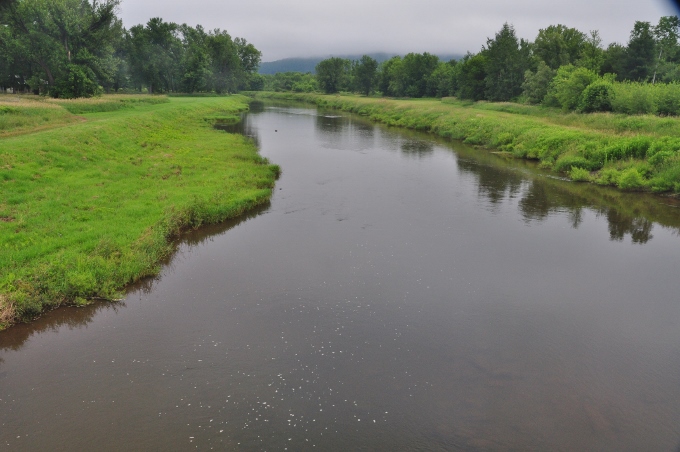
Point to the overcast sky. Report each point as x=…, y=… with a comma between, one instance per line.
x=296, y=28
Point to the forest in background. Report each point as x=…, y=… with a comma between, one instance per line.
x=79, y=48
x=563, y=67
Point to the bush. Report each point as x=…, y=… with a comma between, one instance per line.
x=78, y=82
x=631, y=179
x=597, y=97
x=579, y=174
x=568, y=85
x=569, y=162
x=633, y=98
x=668, y=99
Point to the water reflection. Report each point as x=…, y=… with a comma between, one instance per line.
x=542, y=197
x=69, y=317
x=417, y=148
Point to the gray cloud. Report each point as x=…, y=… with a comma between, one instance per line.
x=316, y=28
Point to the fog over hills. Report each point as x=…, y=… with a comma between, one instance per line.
x=308, y=64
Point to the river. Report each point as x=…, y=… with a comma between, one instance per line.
x=398, y=293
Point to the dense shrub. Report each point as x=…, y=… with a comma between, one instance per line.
x=597, y=97
x=631, y=179
x=568, y=85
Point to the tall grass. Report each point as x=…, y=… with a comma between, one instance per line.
x=89, y=208
x=107, y=103
x=629, y=152
x=28, y=113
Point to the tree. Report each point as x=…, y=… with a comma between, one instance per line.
x=640, y=53
x=591, y=55
x=614, y=61
x=62, y=39
x=332, y=74
x=558, y=45
x=506, y=62
x=442, y=81
x=535, y=86
x=249, y=61
x=155, y=52
x=365, y=74
x=224, y=62
x=471, y=76
x=387, y=76
x=195, y=64
x=666, y=34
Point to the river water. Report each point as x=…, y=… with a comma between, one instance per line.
x=399, y=293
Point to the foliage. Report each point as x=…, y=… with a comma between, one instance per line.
x=536, y=84
x=332, y=74
x=72, y=47
x=506, y=61
x=558, y=45
x=471, y=75
x=597, y=96
x=365, y=72
x=567, y=86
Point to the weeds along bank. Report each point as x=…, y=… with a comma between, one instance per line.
x=639, y=153
x=92, y=203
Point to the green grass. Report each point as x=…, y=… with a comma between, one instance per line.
x=635, y=153
x=93, y=205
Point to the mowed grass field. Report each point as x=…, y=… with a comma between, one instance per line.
x=630, y=152
x=92, y=192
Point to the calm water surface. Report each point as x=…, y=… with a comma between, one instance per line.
x=399, y=293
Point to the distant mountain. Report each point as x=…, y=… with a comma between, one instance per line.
x=308, y=64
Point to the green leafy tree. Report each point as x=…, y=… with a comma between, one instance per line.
x=442, y=81
x=365, y=75
x=471, y=76
x=332, y=74
x=666, y=34
x=387, y=76
x=155, y=52
x=50, y=36
x=614, y=61
x=225, y=63
x=535, y=86
x=195, y=64
x=249, y=60
x=558, y=45
x=506, y=61
x=640, y=53
x=591, y=55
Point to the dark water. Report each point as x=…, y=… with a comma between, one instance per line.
x=399, y=293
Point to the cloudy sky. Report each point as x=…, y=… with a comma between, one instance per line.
x=293, y=28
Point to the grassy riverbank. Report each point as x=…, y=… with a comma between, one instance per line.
x=90, y=202
x=638, y=153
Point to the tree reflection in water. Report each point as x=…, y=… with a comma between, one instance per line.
x=541, y=197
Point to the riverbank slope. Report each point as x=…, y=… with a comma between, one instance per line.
x=90, y=202
x=636, y=153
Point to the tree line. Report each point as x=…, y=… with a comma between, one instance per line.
x=563, y=67
x=79, y=48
